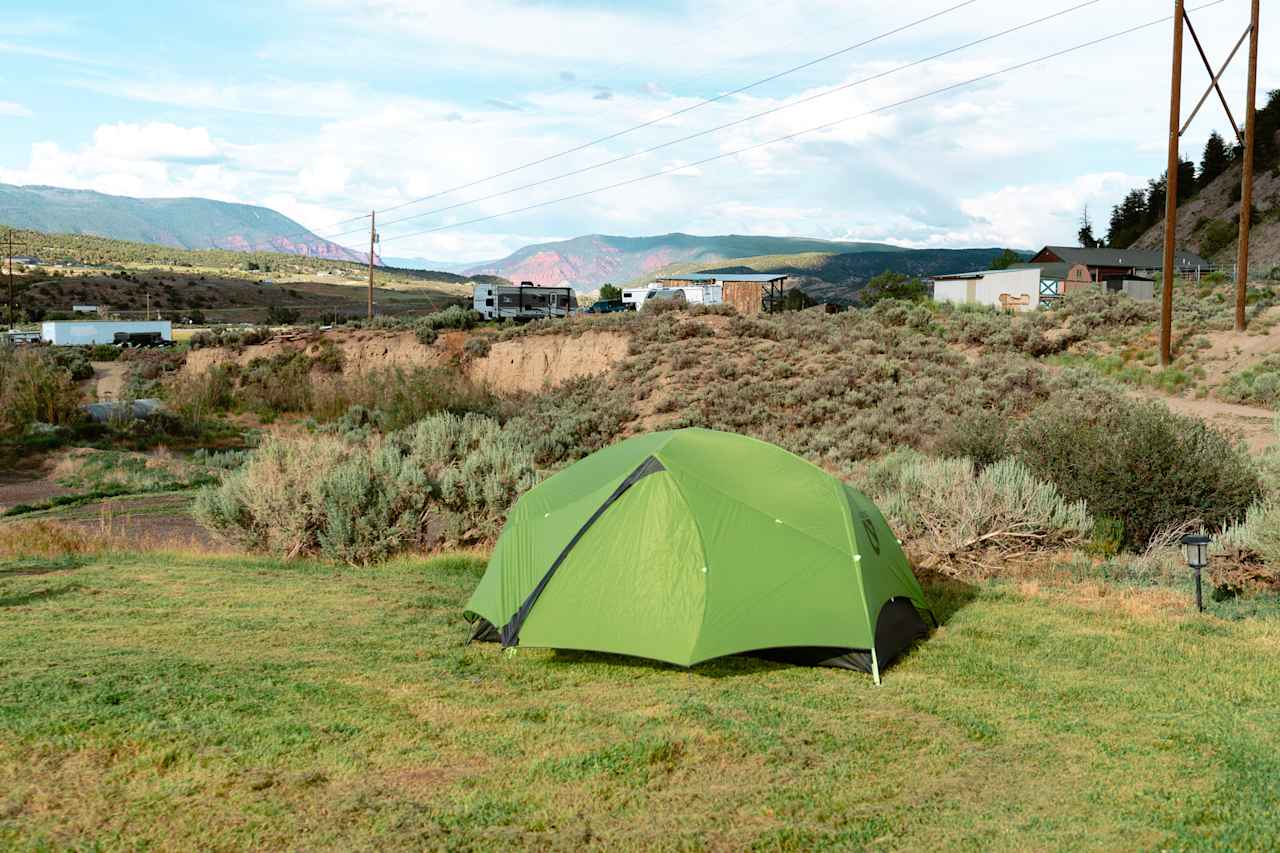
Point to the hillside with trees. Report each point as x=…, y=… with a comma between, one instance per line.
x=1209, y=195
x=186, y=223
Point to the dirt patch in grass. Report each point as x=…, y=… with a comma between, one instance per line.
x=28, y=486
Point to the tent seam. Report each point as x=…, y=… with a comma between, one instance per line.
x=702, y=545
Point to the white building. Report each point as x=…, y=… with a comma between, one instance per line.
x=74, y=333
x=1011, y=290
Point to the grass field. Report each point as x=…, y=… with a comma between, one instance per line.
x=183, y=701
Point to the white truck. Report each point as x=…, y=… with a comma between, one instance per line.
x=526, y=301
x=694, y=294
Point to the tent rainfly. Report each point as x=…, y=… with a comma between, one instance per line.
x=687, y=545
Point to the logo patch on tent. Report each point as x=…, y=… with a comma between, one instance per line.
x=872, y=535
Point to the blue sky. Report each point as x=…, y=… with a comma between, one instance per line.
x=322, y=109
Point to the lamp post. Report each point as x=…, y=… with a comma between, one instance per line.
x=1196, y=548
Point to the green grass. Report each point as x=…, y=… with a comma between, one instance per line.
x=98, y=475
x=178, y=702
x=1170, y=380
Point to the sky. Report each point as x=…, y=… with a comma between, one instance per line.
x=326, y=109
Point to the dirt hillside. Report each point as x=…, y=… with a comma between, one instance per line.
x=1214, y=202
x=529, y=363
x=362, y=350
x=541, y=361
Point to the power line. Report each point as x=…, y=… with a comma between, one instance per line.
x=684, y=110
x=815, y=129
x=312, y=232
x=743, y=120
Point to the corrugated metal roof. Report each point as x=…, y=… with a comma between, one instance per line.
x=1049, y=270
x=760, y=278
x=977, y=273
x=1140, y=258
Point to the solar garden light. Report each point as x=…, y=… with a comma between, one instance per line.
x=1196, y=548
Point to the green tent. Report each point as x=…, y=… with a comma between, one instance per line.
x=691, y=544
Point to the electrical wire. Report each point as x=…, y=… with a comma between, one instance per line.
x=314, y=232
x=817, y=128
x=754, y=116
x=720, y=97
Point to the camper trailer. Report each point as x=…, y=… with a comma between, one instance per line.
x=707, y=294
x=524, y=302
x=633, y=297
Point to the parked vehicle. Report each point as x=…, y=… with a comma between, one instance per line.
x=524, y=302
x=669, y=295
x=139, y=339
x=607, y=306
x=633, y=298
x=707, y=294
x=18, y=336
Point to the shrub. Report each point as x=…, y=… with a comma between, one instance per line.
x=278, y=384
x=453, y=317
x=1218, y=235
x=448, y=478
x=103, y=352
x=396, y=397
x=982, y=436
x=326, y=357
x=1138, y=463
x=275, y=503
x=950, y=511
x=34, y=388
x=893, y=285
x=1252, y=547
x=426, y=335
x=1259, y=385
x=195, y=397
x=479, y=346
x=74, y=360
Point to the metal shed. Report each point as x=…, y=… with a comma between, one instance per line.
x=747, y=292
x=70, y=333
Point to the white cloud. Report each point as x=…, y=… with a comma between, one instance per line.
x=159, y=141
x=991, y=164
x=1022, y=216
x=14, y=110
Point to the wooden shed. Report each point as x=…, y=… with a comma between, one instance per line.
x=748, y=293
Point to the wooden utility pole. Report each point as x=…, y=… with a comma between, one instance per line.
x=1246, y=187
x=373, y=238
x=12, y=314
x=1171, y=190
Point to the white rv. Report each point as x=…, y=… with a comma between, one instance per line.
x=707, y=294
x=524, y=302
x=633, y=297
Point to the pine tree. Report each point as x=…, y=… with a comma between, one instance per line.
x=1085, y=235
x=1216, y=159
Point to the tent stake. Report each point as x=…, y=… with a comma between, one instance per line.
x=875, y=666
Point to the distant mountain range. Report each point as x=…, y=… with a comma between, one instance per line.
x=587, y=262
x=456, y=267
x=186, y=223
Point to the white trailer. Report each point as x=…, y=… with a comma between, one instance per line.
x=524, y=302
x=633, y=297
x=74, y=333
x=705, y=294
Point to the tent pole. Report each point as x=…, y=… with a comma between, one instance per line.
x=875, y=666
